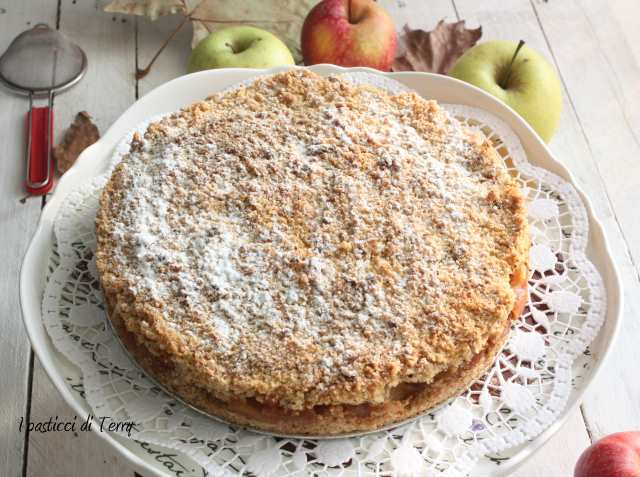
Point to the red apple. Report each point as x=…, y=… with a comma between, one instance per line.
x=349, y=33
x=616, y=455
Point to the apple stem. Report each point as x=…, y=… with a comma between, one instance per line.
x=507, y=75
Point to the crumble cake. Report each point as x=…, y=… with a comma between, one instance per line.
x=307, y=256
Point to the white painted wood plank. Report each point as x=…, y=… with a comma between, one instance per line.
x=173, y=60
x=603, y=76
x=106, y=91
x=589, y=49
x=108, y=87
x=17, y=223
x=558, y=456
x=67, y=454
x=418, y=13
x=626, y=13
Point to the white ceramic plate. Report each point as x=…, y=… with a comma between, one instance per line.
x=187, y=89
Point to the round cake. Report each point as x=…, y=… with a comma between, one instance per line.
x=307, y=256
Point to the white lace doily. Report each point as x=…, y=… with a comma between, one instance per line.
x=522, y=394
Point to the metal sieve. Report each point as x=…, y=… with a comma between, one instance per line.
x=40, y=63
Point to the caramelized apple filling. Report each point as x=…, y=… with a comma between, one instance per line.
x=519, y=285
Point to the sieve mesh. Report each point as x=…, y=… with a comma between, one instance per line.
x=40, y=60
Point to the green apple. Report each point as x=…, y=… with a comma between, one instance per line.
x=239, y=47
x=517, y=75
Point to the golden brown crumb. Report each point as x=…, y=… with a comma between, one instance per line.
x=304, y=244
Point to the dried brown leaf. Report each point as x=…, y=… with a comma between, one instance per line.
x=80, y=135
x=434, y=51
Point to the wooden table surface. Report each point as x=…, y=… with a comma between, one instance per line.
x=595, y=46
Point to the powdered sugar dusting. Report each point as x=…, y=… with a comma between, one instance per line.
x=341, y=227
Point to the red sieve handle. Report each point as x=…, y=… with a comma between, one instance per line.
x=39, y=160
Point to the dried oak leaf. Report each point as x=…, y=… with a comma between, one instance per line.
x=80, y=135
x=434, y=51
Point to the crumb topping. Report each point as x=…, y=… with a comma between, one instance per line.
x=306, y=241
